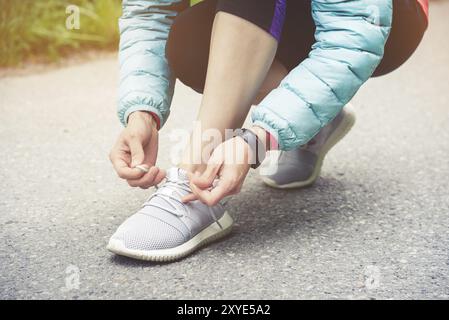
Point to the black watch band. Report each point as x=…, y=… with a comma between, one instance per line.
x=257, y=147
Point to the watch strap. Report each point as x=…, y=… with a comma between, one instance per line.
x=257, y=147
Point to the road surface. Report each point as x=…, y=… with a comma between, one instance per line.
x=375, y=225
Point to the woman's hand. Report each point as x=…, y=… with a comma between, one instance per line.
x=137, y=145
x=230, y=162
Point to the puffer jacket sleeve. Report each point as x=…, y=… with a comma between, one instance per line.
x=350, y=38
x=145, y=80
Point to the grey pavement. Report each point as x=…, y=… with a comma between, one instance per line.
x=375, y=226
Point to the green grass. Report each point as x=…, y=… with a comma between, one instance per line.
x=37, y=28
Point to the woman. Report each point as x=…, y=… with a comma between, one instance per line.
x=299, y=61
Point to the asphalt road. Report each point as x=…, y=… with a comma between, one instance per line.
x=376, y=224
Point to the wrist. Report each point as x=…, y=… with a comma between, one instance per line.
x=248, y=152
x=146, y=116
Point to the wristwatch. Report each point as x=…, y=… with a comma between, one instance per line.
x=257, y=147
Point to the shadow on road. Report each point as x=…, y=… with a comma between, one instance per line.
x=265, y=216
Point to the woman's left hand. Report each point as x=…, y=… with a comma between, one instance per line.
x=230, y=163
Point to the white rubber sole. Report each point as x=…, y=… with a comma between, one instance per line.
x=211, y=233
x=345, y=126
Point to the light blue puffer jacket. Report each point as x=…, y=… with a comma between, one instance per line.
x=350, y=38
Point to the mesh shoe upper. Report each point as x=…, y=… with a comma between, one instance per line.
x=164, y=221
x=143, y=232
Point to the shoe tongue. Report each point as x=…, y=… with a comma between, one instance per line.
x=174, y=175
x=177, y=174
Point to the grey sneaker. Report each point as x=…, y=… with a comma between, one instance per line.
x=301, y=167
x=166, y=229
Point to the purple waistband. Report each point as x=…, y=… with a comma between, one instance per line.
x=278, y=19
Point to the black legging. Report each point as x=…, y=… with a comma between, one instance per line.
x=189, y=40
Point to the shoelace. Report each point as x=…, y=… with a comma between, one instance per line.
x=175, y=186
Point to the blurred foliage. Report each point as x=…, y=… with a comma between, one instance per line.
x=37, y=28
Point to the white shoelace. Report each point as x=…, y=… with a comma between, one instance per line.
x=175, y=186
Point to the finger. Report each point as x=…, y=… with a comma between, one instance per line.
x=147, y=180
x=223, y=189
x=202, y=195
x=148, y=185
x=122, y=168
x=190, y=197
x=157, y=179
x=137, y=153
x=160, y=176
x=131, y=183
x=206, y=179
x=212, y=197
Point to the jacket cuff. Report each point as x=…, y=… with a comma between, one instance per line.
x=272, y=133
x=157, y=116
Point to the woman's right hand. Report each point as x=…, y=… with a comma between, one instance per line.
x=137, y=145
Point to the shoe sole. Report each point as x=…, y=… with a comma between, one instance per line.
x=211, y=233
x=346, y=125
